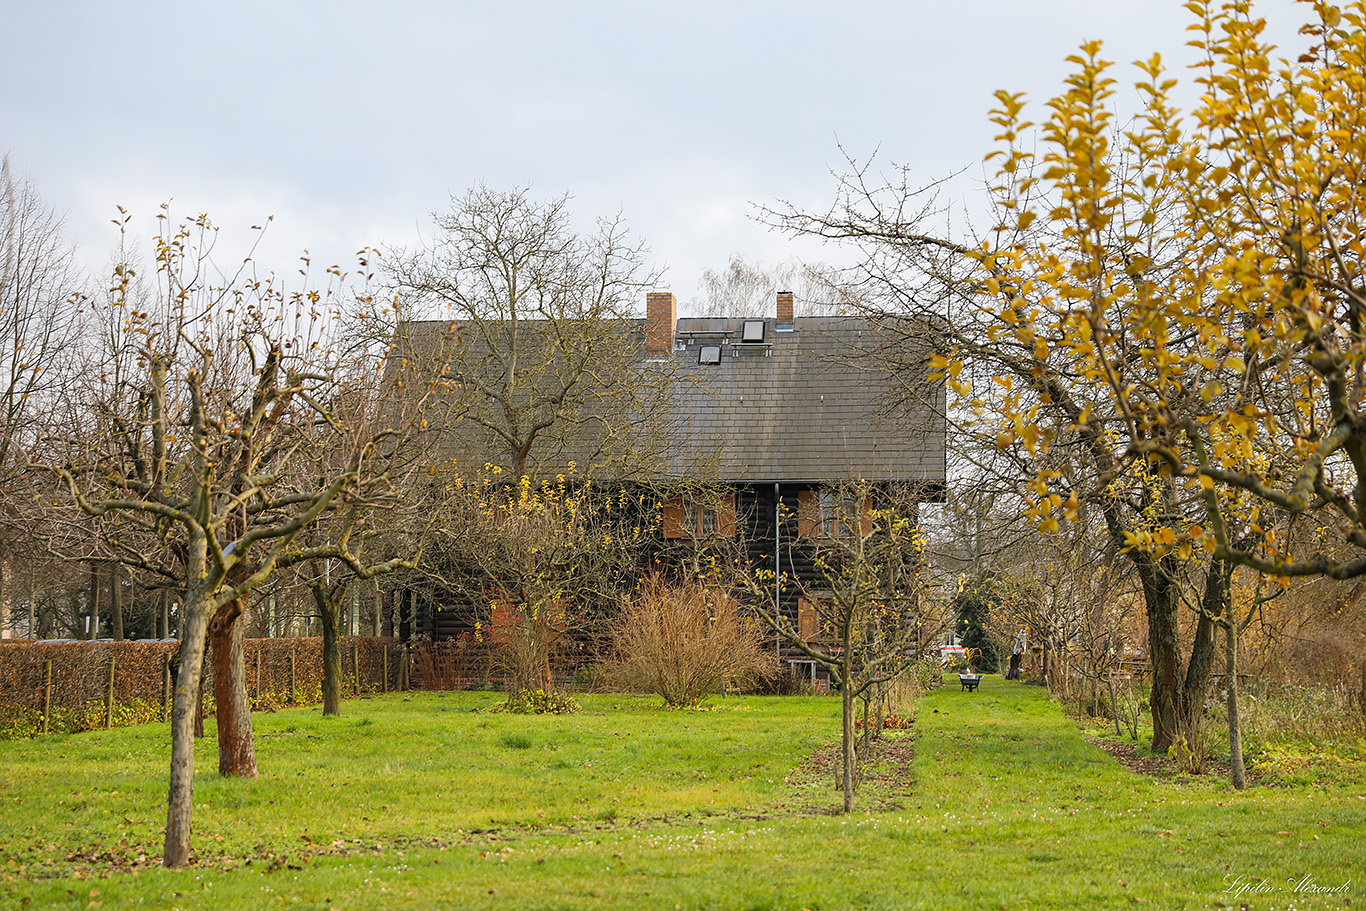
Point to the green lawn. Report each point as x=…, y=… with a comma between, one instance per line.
x=433, y=801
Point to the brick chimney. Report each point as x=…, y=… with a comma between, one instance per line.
x=661, y=313
x=785, y=320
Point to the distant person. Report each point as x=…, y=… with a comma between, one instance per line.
x=1016, y=656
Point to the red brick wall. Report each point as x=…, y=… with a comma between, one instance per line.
x=661, y=313
x=785, y=306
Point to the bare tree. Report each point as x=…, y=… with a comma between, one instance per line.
x=531, y=339
x=746, y=288
x=859, y=608
x=373, y=531
x=221, y=383
x=40, y=295
x=551, y=558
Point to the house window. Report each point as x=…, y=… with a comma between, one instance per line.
x=834, y=507
x=699, y=519
x=699, y=515
x=829, y=513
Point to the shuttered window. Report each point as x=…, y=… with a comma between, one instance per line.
x=824, y=512
x=699, y=516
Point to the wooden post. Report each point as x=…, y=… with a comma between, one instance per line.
x=383, y=674
x=292, y=699
x=258, y=672
x=94, y=619
x=47, y=693
x=355, y=669
x=165, y=684
x=109, y=697
x=116, y=602
x=403, y=670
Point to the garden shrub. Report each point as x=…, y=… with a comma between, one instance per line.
x=685, y=642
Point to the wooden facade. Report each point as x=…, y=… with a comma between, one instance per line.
x=777, y=414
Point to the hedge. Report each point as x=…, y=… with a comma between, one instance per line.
x=80, y=695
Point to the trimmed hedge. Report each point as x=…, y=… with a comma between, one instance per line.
x=279, y=672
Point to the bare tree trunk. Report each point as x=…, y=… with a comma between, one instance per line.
x=1114, y=698
x=847, y=704
x=116, y=601
x=94, y=631
x=180, y=800
x=6, y=583
x=1212, y=606
x=236, y=751
x=331, y=653
x=1164, y=650
x=1235, y=724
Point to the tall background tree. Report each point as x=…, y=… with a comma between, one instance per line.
x=40, y=296
x=528, y=334
x=1165, y=320
x=975, y=607
x=747, y=288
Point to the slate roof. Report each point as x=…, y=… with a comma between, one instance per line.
x=812, y=404
x=608, y=431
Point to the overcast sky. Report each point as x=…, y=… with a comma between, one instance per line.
x=351, y=123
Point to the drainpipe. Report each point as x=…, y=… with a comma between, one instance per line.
x=777, y=566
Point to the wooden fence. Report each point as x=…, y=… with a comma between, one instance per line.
x=74, y=686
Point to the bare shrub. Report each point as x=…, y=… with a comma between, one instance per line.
x=1192, y=749
x=686, y=642
x=888, y=706
x=1305, y=711
x=451, y=664
x=526, y=649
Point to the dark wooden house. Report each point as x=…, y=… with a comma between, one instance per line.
x=777, y=413
x=784, y=414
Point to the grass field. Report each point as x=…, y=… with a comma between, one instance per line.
x=434, y=801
